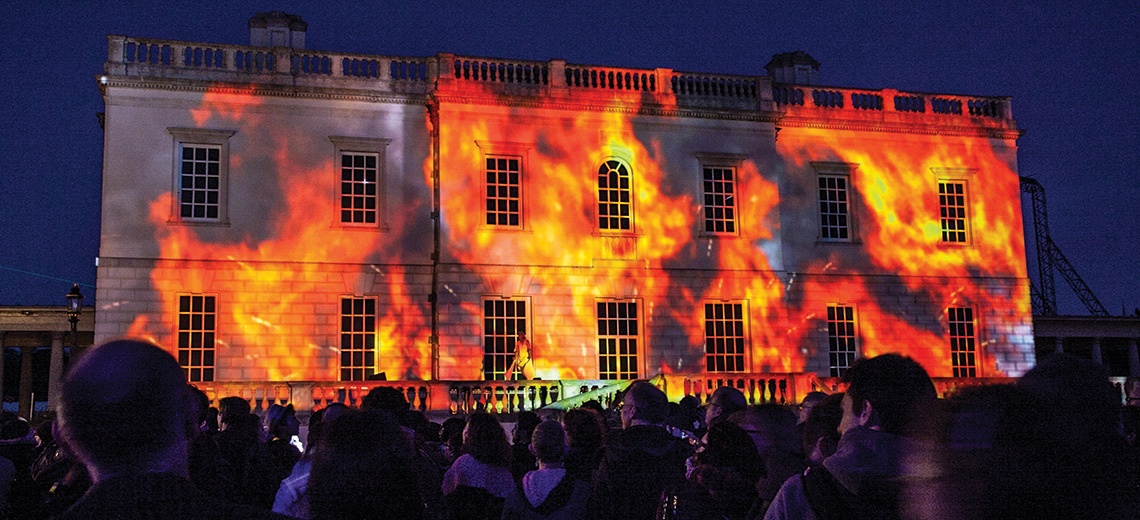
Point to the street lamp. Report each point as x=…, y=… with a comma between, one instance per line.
x=74, y=306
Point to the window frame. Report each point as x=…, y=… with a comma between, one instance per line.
x=361, y=145
x=507, y=335
x=372, y=320
x=960, y=176
x=731, y=162
x=744, y=337
x=185, y=355
x=632, y=230
x=505, y=149
x=972, y=352
x=834, y=368
x=200, y=137
x=639, y=354
x=847, y=172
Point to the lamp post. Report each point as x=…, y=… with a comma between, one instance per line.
x=74, y=306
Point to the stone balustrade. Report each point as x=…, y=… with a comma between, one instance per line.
x=440, y=398
x=832, y=99
x=444, y=398
x=139, y=57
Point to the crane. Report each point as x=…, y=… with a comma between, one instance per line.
x=1050, y=257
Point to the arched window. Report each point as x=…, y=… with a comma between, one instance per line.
x=615, y=196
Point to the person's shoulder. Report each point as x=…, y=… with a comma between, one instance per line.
x=790, y=502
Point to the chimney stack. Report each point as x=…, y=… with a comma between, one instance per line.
x=277, y=29
x=793, y=67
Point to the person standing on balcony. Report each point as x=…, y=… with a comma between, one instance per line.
x=522, y=363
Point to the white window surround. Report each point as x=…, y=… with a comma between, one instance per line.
x=956, y=176
x=731, y=162
x=498, y=149
x=846, y=171
x=378, y=146
x=206, y=138
x=727, y=348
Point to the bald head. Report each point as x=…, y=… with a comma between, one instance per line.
x=124, y=408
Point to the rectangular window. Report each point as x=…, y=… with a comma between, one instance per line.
x=842, y=346
x=724, y=337
x=197, y=329
x=503, y=191
x=357, y=338
x=962, y=341
x=359, y=188
x=503, y=320
x=615, y=197
x=200, y=174
x=358, y=166
x=952, y=206
x=719, y=185
x=200, y=182
x=834, y=209
x=617, y=340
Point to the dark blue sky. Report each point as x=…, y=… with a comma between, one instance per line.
x=1073, y=69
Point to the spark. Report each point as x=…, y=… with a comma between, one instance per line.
x=112, y=305
x=260, y=321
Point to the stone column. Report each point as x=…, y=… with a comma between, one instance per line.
x=55, y=369
x=1058, y=345
x=1133, y=359
x=26, y=354
x=1096, y=356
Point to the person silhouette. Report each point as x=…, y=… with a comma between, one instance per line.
x=522, y=362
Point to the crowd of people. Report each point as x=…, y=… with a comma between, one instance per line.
x=132, y=440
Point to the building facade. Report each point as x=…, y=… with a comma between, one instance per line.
x=272, y=213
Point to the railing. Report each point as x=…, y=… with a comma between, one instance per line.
x=506, y=397
x=611, y=78
x=137, y=56
x=685, y=84
x=188, y=56
x=831, y=98
x=502, y=71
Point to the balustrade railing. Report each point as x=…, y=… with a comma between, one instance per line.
x=836, y=99
x=552, y=78
x=506, y=397
x=685, y=84
x=189, y=56
x=502, y=71
x=611, y=78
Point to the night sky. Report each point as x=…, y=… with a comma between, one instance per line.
x=1073, y=69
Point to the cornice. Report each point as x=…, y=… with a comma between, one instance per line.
x=900, y=128
x=618, y=108
x=266, y=89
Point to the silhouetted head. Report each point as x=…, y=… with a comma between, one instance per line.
x=363, y=468
x=821, y=429
x=548, y=442
x=485, y=439
x=231, y=410
x=643, y=403
x=524, y=426
x=384, y=398
x=723, y=402
x=585, y=428
x=810, y=400
x=125, y=409
x=883, y=392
